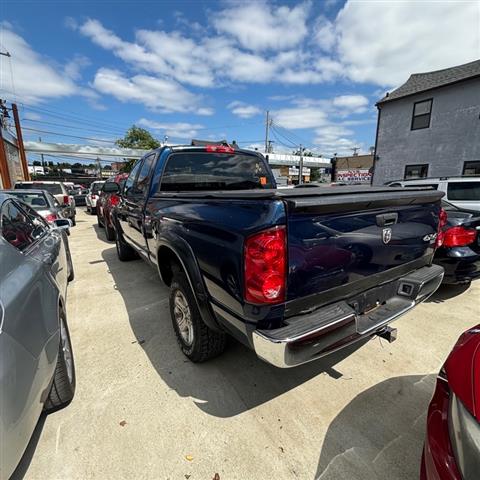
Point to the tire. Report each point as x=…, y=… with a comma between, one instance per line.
x=74, y=222
x=88, y=210
x=124, y=251
x=99, y=221
x=71, y=271
x=93, y=211
x=63, y=385
x=197, y=341
x=109, y=232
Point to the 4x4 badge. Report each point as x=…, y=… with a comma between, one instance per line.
x=386, y=235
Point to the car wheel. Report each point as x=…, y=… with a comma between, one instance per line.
x=71, y=271
x=63, y=385
x=197, y=341
x=109, y=232
x=74, y=221
x=124, y=251
x=93, y=211
x=99, y=221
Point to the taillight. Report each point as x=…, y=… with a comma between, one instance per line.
x=66, y=200
x=265, y=257
x=459, y=237
x=51, y=217
x=442, y=221
x=94, y=197
x=113, y=200
x=220, y=149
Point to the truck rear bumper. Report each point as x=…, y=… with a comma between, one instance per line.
x=311, y=336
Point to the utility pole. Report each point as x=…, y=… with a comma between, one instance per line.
x=21, y=147
x=99, y=167
x=300, y=166
x=267, y=126
x=41, y=156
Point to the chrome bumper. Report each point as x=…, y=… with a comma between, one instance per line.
x=309, y=337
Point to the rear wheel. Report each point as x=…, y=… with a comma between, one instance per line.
x=99, y=221
x=197, y=341
x=74, y=222
x=63, y=385
x=124, y=251
x=109, y=232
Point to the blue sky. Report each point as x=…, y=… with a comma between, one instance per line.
x=209, y=69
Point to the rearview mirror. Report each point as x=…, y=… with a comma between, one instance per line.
x=111, y=187
x=62, y=224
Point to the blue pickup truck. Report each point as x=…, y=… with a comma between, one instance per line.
x=295, y=274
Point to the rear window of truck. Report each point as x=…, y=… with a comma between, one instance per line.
x=197, y=171
x=464, y=191
x=53, y=188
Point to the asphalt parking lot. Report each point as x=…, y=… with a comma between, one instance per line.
x=142, y=410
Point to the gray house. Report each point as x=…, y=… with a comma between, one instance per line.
x=430, y=126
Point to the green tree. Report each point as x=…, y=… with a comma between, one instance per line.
x=136, y=137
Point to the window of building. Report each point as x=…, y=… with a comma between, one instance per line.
x=416, y=171
x=463, y=191
x=421, y=114
x=471, y=168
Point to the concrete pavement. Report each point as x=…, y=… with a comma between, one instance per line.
x=142, y=410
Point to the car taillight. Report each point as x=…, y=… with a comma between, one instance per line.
x=442, y=221
x=51, y=217
x=220, y=149
x=459, y=237
x=66, y=200
x=265, y=257
x=114, y=200
x=94, y=197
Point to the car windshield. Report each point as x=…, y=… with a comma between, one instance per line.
x=214, y=171
x=35, y=200
x=53, y=188
x=96, y=187
x=464, y=191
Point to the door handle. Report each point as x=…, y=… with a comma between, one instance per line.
x=387, y=219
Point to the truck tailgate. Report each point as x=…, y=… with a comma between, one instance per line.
x=343, y=241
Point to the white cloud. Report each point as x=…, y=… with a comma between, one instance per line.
x=383, y=43
x=173, y=130
x=260, y=26
x=351, y=103
x=243, y=110
x=74, y=67
x=35, y=77
x=300, y=117
x=155, y=93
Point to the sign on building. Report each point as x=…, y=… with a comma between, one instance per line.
x=356, y=175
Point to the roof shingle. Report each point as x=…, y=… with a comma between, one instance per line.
x=421, y=82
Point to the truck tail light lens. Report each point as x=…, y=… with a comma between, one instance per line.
x=442, y=221
x=66, y=200
x=459, y=237
x=220, y=149
x=51, y=217
x=94, y=197
x=265, y=257
x=114, y=200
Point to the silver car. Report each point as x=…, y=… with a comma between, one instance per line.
x=36, y=363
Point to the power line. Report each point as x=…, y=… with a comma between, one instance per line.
x=112, y=142
x=68, y=126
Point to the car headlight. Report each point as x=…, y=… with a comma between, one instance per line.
x=465, y=437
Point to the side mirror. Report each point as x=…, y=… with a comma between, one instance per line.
x=62, y=224
x=111, y=187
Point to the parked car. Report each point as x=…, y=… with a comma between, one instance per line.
x=58, y=190
x=92, y=196
x=107, y=200
x=44, y=203
x=244, y=258
x=452, y=444
x=36, y=361
x=459, y=253
x=79, y=194
x=463, y=192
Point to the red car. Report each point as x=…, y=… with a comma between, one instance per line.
x=105, y=203
x=452, y=445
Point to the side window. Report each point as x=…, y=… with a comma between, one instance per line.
x=144, y=175
x=131, y=178
x=421, y=114
x=463, y=191
x=17, y=228
x=416, y=171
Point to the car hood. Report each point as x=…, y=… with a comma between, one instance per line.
x=463, y=370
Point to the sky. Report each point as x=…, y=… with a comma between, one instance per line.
x=210, y=69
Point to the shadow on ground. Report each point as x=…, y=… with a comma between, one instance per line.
x=445, y=292
x=380, y=433
x=22, y=467
x=100, y=232
x=225, y=386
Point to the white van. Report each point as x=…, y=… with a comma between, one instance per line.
x=463, y=192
